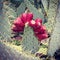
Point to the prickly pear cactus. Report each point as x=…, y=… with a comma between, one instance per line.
x=30, y=42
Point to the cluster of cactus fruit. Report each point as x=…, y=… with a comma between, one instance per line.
x=34, y=31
